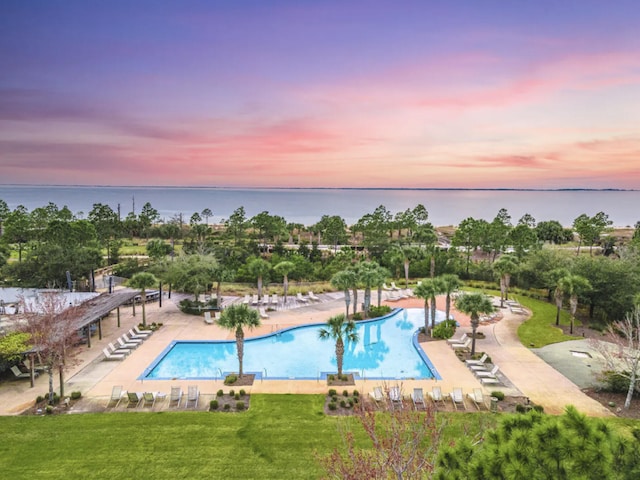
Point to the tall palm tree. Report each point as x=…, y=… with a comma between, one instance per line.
x=573, y=286
x=142, y=281
x=474, y=304
x=383, y=273
x=236, y=317
x=340, y=329
x=284, y=268
x=505, y=266
x=368, y=276
x=259, y=268
x=553, y=278
x=450, y=283
x=344, y=280
x=429, y=289
x=406, y=254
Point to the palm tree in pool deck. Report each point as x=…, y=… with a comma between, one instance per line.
x=429, y=289
x=142, y=281
x=505, y=266
x=369, y=276
x=284, y=268
x=450, y=283
x=341, y=330
x=236, y=317
x=344, y=280
x=474, y=304
x=573, y=286
x=259, y=268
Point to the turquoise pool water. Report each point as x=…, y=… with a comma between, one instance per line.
x=387, y=349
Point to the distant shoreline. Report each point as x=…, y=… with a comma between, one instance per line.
x=445, y=189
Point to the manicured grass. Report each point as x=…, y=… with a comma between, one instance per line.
x=540, y=329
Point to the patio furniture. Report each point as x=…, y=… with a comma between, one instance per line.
x=175, y=396
x=436, y=395
x=418, y=399
x=457, y=398
x=193, y=395
x=116, y=395
x=477, y=398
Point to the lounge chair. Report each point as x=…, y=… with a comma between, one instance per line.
x=300, y=298
x=436, y=395
x=20, y=374
x=477, y=398
x=134, y=399
x=263, y=313
x=479, y=362
x=207, y=318
x=457, y=398
x=487, y=373
x=393, y=297
x=126, y=345
x=393, y=286
x=36, y=368
x=461, y=346
x=265, y=300
x=193, y=395
x=148, y=398
x=119, y=351
x=127, y=339
x=384, y=287
x=462, y=339
x=377, y=394
x=112, y=356
x=246, y=300
x=313, y=296
x=139, y=331
x=116, y=396
x=175, y=396
x=135, y=336
x=418, y=399
x=396, y=397
x=274, y=299
x=255, y=300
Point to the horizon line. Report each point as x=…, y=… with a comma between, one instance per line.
x=507, y=189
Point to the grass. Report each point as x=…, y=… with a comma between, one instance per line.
x=540, y=329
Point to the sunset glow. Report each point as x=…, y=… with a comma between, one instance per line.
x=428, y=94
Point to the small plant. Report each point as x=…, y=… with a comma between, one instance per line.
x=239, y=406
x=356, y=400
x=48, y=409
x=230, y=379
x=227, y=406
x=343, y=403
x=356, y=393
x=334, y=398
x=242, y=393
x=344, y=378
x=520, y=408
x=76, y=395
x=357, y=316
x=213, y=405
x=538, y=408
x=332, y=406
x=39, y=399
x=331, y=377
x=445, y=329
x=498, y=394
x=350, y=402
x=232, y=393
x=236, y=396
x=345, y=393
x=219, y=393
x=332, y=392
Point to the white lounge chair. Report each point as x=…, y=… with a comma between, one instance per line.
x=384, y=287
x=313, y=296
x=436, y=395
x=112, y=356
x=461, y=346
x=139, y=331
x=490, y=381
x=274, y=299
x=393, y=286
x=255, y=300
x=207, y=318
x=477, y=398
x=118, y=351
x=479, y=362
x=175, y=396
x=457, y=398
x=488, y=374
x=246, y=300
x=134, y=399
x=126, y=345
x=193, y=395
x=393, y=297
x=396, y=397
x=148, y=397
x=20, y=374
x=265, y=300
x=263, y=313
x=418, y=399
x=127, y=339
x=377, y=394
x=134, y=336
x=116, y=396
x=462, y=339
x=300, y=298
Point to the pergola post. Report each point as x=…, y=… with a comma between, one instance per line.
x=100, y=328
x=32, y=369
x=134, y=306
x=118, y=314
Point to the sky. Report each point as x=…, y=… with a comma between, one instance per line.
x=406, y=94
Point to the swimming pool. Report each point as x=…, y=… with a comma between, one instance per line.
x=387, y=349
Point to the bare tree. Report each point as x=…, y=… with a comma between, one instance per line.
x=54, y=330
x=404, y=444
x=622, y=350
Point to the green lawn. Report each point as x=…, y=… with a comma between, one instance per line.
x=540, y=329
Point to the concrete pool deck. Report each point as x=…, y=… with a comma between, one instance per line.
x=526, y=373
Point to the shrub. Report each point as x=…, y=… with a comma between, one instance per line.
x=334, y=398
x=331, y=378
x=213, y=405
x=39, y=399
x=48, y=409
x=538, y=408
x=344, y=378
x=232, y=393
x=356, y=393
x=219, y=393
x=350, y=402
x=357, y=316
x=498, y=394
x=332, y=406
x=237, y=396
x=615, y=382
x=227, y=406
x=240, y=406
x=345, y=393
x=343, y=403
x=520, y=408
x=242, y=393
x=380, y=311
x=332, y=392
x=230, y=379
x=356, y=400
x=76, y=395
x=445, y=329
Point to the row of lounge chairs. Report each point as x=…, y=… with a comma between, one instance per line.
x=394, y=296
x=125, y=344
x=275, y=300
x=135, y=399
x=456, y=396
x=481, y=370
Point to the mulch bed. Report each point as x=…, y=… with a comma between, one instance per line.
x=615, y=402
x=231, y=401
x=245, y=380
x=340, y=383
x=343, y=403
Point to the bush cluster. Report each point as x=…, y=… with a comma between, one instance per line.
x=445, y=329
x=381, y=311
x=191, y=307
x=498, y=394
x=76, y=395
x=231, y=379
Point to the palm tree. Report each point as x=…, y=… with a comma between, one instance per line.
x=573, y=286
x=474, y=304
x=344, y=280
x=236, y=317
x=450, y=283
x=505, y=266
x=369, y=276
x=142, y=281
x=429, y=289
x=259, y=268
x=383, y=273
x=340, y=329
x=284, y=268
x=553, y=278
x=406, y=254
